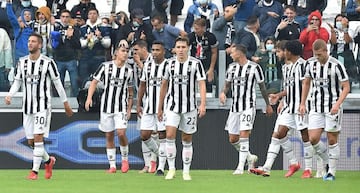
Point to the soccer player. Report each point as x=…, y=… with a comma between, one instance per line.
x=150, y=82
x=141, y=57
x=289, y=118
x=178, y=82
x=242, y=75
x=330, y=86
x=116, y=103
x=35, y=73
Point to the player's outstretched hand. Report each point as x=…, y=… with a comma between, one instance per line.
x=222, y=98
x=269, y=110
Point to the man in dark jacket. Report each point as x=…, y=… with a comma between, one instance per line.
x=65, y=44
x=82, y=8
x=249, y=39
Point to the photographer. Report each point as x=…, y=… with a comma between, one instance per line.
x=288, y=29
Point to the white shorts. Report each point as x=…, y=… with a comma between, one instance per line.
x=241, y=121
x=37, y=123
x=111, y=121
x=151, y=122
x=292, y=121
x=186, y=122
x=330, y=123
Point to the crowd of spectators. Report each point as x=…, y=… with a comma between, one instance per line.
x=79, y=39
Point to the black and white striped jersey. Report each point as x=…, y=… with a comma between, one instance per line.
x=152, y=75
x=293, y=75
x=117, y=81
x=181, y=95
x=243, y=80
x=326, y=83
x=36, y=77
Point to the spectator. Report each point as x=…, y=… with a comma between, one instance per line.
x=288, y=29
x=224, y=27
x=68, y=39
x=353, y=10
x=95, y=39
x=82, y=9
x=78, y=20
x=201, y=9
x=166, y=33
x=175, y=9
x=24, y=4
x=160, y=7
x=268, y=12
x=244, y=11
x=4, y=21
x=203, y=46
x=136, y=29
x=313, y=32
x=249, y=39
x=270, y=66
x=305, y=7
x=117, y=22
x=342, y=45
x=23, y=27
x=43, y=27
x=5, y=60
x=56, y=6
x=145, y=6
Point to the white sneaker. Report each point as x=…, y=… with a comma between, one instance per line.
x=251, y=161
x=186, y=176
x=238, y=171
x=170, y=175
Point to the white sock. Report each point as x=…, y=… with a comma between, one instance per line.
x=124, y=152
x=288, y=150
x=45, y=156
x=152, y=145
x=146, y=153
x=171, y=153
x=272, y=153
x=308, y=155
x=155, y=137
x=162, y=154
x=187, y=155
x=243, y=153
x=334, y=155
x=319, y=163
x=236, y=145
x=111, y=155
x=38, y=154
x=320, y=150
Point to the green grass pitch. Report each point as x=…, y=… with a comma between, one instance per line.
x=206, y=181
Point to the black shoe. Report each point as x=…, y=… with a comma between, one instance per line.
x=159, y=173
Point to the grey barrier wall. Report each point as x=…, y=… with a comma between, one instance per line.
x=77, y=142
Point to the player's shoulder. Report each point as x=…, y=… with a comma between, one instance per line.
x=46, y=58
x=312, y=60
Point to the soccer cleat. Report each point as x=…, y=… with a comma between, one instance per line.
x=49, y=167
x=251, y=161
x=186, y=176
x=159, y=173
x=152, y=168
x=124, y=166
x=238, y=172
x=292, y=169
x=329, y=177
x=170, y=175
x=306, y=174
x=32, y=176
x=111, y=170
x=144, y=170
x=260, y=171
